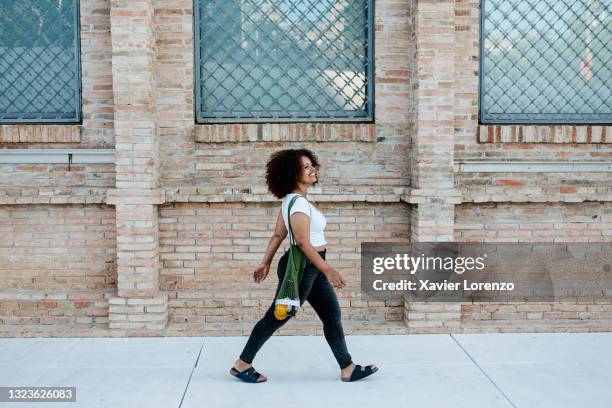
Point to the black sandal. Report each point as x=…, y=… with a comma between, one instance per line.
x=358, y=373
x=249, y=375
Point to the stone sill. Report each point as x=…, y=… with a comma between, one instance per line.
x=565, y=134
x=40, y=133
x=285, y=132
x=526, y=166
x=524, y=198
x=535, y=194
x=57, y=156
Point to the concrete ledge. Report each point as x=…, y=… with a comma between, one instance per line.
x=490, y=166
x=79, y=156
x=534, y=195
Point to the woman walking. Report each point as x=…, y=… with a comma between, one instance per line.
x=290, y=173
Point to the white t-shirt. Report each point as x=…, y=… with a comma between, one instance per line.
x=317, y=219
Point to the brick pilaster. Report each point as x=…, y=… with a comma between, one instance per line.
x=139, y=305
x=433, y=192
x=432, y=153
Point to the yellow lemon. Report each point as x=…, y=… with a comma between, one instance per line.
x=280, y=312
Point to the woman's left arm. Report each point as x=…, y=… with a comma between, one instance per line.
x=280, y=233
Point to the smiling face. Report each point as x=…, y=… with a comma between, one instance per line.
x=309, y=172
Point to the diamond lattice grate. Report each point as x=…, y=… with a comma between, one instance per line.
x=546, y=61
x=284, y=60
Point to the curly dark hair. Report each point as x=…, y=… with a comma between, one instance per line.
x=284, y=168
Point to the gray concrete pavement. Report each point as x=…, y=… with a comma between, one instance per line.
x=463, y=370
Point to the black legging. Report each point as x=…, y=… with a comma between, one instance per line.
x=322, y=297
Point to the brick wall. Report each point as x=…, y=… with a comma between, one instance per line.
x=534, y=222
x=209, y=251
x=555, y=187
x=467, y=144
x=185, y=162
x=508, y=207
x=56, y=176
x=522, y=222
x=96, y=129
x=182, y=197
x=58, y=265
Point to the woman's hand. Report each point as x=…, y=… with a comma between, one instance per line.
x=261, y=272
x=336, y=280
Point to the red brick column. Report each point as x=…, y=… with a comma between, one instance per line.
x=433, y=192
x=139, y=306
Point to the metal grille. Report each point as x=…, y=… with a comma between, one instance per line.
x=546, y=61
x=40, y=78
x=284, y=60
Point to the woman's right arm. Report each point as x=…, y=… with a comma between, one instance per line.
x=280, y=232
x=300, y=225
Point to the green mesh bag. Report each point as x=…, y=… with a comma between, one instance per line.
x=287, y=301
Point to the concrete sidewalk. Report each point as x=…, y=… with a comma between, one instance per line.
x=464, y=370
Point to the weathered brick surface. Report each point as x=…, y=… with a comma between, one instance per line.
x=96, y=129
x=55, y=177
x=280, y=132
x=534, y=187
x=134, y=94
x=57, y=247
x=188, y=163
x=40, y=134
x=57, y=263
x=525, y=222
x=52, y=310
x=432, y=150
x=545, y=143
x=544, y=134
x=187, y=214
x=137, y=166
x=534, y=222
x=136, y=313
x=483, y=317
x=434, y=93
x=209, y=251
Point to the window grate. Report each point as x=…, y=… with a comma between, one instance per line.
x=284, y=60
x=40, y=77
x=545, y=61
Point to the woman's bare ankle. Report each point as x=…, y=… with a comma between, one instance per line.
x=348, y=369
x=242, y=365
